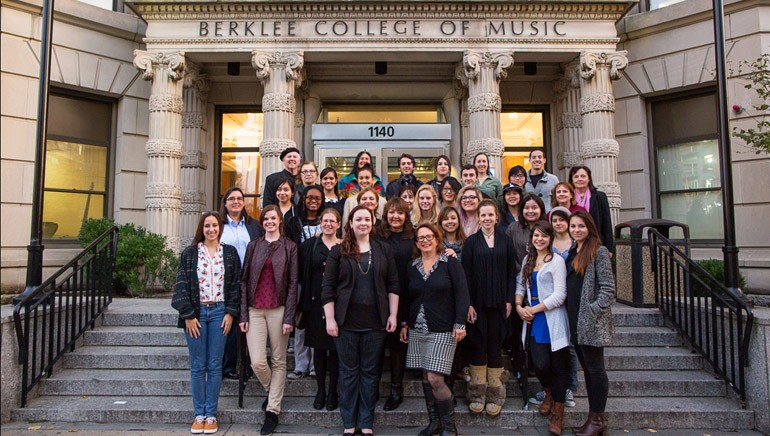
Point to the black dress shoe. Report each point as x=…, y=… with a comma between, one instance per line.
x=320, y=399
x=271, y=422
x=332, y=401
x=231, y=375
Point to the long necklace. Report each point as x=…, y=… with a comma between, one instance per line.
x=368, y=266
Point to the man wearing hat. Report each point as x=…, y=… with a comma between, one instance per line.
x=291, y=158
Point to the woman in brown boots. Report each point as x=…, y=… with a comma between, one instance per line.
x=590, y=294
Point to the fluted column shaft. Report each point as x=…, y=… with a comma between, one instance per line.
x=280, y=73
x=194, y=157
x=599, y=148
x=312, y=108
x=484, y=71
x=163, y=193
x=570, y=120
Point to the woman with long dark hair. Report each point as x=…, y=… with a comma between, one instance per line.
x=448, y=192
x=438, y=308
x=509, y=204
x=442, y=169
x=590, y=294
x=397, y=231
x=365, y=178
x=542, y=283
x=488, y=262
x=206, y=297
x=312, y=261
x=454, y=236
x=332, y=198
x=595, y=202
x=284, y=193
x=531, y=210
x=268, y=304
x=350, y=185
x=360, y=297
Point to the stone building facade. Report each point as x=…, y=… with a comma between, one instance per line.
x=200, y=96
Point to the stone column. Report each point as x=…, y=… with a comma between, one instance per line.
x=569, y=120
x=452, y=106
x=484, y=71
x=312, y=112
x=280, y=73
x=163, y=193
x=599, y=148
x=194, y=158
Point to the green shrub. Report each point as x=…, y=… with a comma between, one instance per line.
x=143, y=263
x=715, y=268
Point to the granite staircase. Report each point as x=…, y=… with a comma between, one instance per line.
x=134, y=368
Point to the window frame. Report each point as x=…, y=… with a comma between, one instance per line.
x=219, y=112
x=545, y=111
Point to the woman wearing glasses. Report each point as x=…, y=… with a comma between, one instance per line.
x=448, y=189
x=469, y=197
x=308, y=176
x=206, y=296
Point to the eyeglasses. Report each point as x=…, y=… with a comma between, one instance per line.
x=307, y=171
x=312, y=198
x=469, y=197
x=425, y=238
x=234, y=199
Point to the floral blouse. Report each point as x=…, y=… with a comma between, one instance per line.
x=211, y=275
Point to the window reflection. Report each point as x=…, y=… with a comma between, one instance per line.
x=240, y=164
x=521, y=132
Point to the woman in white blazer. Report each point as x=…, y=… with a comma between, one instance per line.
x=543, y=282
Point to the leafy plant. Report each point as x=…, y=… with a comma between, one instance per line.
x=759, y=78
x=715, y=268
x=143, y=263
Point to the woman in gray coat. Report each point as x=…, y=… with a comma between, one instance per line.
x=590, y=294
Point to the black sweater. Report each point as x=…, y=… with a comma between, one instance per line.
x=444, y=296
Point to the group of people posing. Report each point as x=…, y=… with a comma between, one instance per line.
x=446, y=274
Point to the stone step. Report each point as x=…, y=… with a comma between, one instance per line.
x=93, y=382
x=624, y=413
x=127, y=357
x=145, y=336
x=623, y=316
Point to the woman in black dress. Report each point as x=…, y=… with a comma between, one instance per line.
x=312, y=261
x=488, y=262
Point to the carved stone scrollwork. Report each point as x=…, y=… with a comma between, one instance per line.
x=461, y=76
x=194, y=78
x=560, y=87
x=299, y=119
x=193, y=120
x=465, y=119
x=572, y=120
x=192, y=197
x=146, y=62
x=600, y=101
x=570, y=159
x=612, y=190
x=473, y=61
x=491, y=146
x=484, y=102
x=599, y=148
x=163, y=148
x=274, y=147
x=194, y=159
x=264, y=61
x=572, y=73
x=274, y=101
x=166, y=190
x=166, y=103
x=617, y=61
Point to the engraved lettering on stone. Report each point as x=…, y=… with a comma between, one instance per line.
x=484, y=102
x=599, y=148
x=166, y=103
x=163, y=148
x=147, y=61
x=275, y=101
x=600, y=101
x=572, y=120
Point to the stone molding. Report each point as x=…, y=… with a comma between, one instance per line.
x=193, y=120
x=600, y=101
x=166, y=103
x=147, y=61
x=560, y=87
x=569, y=159
x=474, y=61
x=594, y=148
x=572, y=120
x=346, y=43
x=265, y=61
x=299, y=119
x=487, y=101
x=194, y=78
x=167, y=190
x=194, y=159
x=173, y=204
x=616, y=61
x=192, y=197
x=275, y=101
x=274, y=147
x=465, y=119
x=171, y=148
x=612, y=190
x=494, y=147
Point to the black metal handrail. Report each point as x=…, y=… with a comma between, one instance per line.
x=50, y=319
x=717, y=322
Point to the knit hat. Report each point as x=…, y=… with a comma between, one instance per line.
x=290, y=150
x=562, y=212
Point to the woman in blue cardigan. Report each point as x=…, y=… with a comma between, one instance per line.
x=206, y=295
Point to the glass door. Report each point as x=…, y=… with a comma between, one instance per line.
x=425, y=159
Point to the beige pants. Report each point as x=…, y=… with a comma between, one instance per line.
x=264, y=323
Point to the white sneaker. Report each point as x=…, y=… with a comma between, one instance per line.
x=295, y=375
x=538, y=398
x=569, y=398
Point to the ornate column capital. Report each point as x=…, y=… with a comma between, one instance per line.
x=616, y=61
x=572, y=73
x=146, y=61
x=473, y=61
x=265, y=61
x=195, y=78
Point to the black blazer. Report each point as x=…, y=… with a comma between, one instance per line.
x=254, y=228
x=599, y=208
x=340, y=280
x=444, y=295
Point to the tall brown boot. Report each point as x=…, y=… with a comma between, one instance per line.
x=597, y=425
x=547, y=404
x=556, y=421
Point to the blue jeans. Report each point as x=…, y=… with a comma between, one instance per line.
x=359, y=360
x=206, y=360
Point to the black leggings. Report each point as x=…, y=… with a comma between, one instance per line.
x=326, y=361
x=486, y=348
x=552, y=368
x=597, y=384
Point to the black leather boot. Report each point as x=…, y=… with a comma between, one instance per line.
x=395, y=398
x=434, y=426
x=446, y=412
